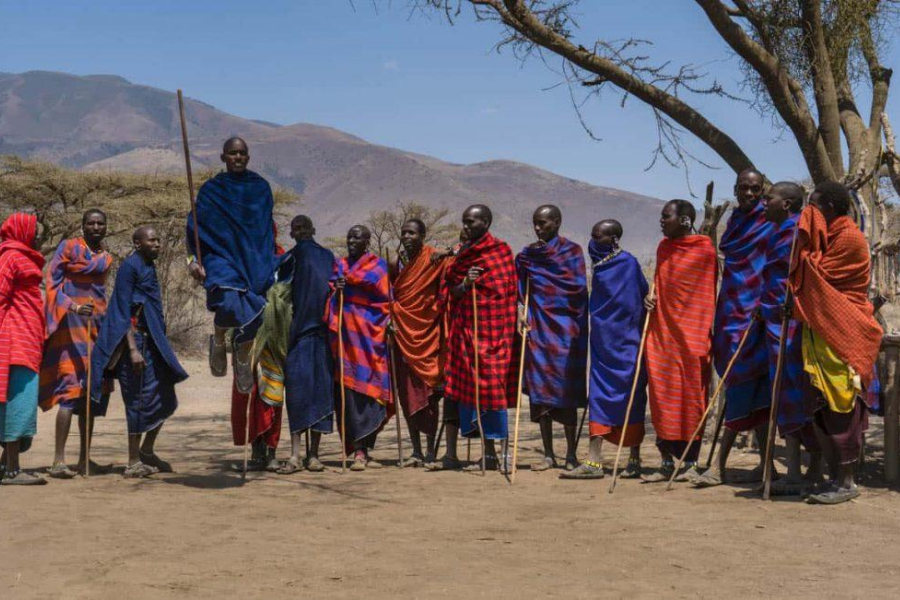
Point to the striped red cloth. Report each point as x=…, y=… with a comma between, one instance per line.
x=830, y=282
x=496, y=291
x=77, y=275
x=679, y=335
x=21, y=307
x=367, y=306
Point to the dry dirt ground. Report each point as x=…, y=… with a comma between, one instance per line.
x=202, y=532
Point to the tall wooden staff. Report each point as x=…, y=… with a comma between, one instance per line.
x=525, y=329
x=779, y=371
x=341, y=374
x=247, y=433
x=637, y=374
x=712, y=403
x=396, y=394
x=87, y=404
x=477, y=381
x=190, y=180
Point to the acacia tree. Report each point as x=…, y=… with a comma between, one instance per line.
x=805, y=62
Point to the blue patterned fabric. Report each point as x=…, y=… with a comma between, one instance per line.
x=743, y=247
x=792, y=415
x=556, y=352
x=617, y=313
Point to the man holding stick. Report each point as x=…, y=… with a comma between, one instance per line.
x=75, y=286
x=679, y=337
x=309, y=366
x=617, y=316
x=783, y=202
x=362, y=278
x=841, y=338
x=748, y=390
x=239, y=253
x=417, y=321
x=486, y=265
x=551, y=273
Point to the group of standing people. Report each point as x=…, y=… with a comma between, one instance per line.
x=344, y=343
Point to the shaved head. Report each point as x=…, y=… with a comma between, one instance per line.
x=233, y=141
x=549, y=210
x=482, y=210
x=790, y=191
x=610, y=227
x=361, y=230
x=142, y=233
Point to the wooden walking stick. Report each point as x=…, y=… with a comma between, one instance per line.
x=779, y=373
x=634, y=384
x=341, y=374
x=712, y=403
x=525, y=329
x=477, y=382
x=190, y=178
x=247, y=434
x=87, y=404
x=396, y=394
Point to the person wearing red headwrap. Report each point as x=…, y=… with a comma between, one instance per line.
x=21, y=341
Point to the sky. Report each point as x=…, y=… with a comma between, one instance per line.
x=380, y=71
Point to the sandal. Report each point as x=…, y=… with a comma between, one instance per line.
x=314, y=465
x=445, y=464
x=835, y=496
x=662, y=474
x=545, y=464
x=586, y=470
x=290, y=466
x=633, y=470
x=571, y=463
x=139, y=470
x=359, y=464
x=710, y=478
x=491, y=463
x=415, y=461
x=218, y=358
x=21, y=478
x=786, y=487
x=61, y=471
x=154, y=461
x=689, y=473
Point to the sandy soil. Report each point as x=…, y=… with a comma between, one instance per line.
x=202, y=532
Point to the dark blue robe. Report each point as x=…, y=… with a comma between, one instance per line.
x=237, y=240
x=617, y=316
x=149, y=395
x=309, y=366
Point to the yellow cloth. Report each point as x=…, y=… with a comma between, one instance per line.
x=270, y=379
x=837, y=380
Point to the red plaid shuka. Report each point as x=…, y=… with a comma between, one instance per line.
x=496, y=291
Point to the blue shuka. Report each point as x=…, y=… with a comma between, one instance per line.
x=792, y=414
x=136, y=302
x=617, y=316
x=556, y=350
x=309, y=366
x=237, y=240
x=743, y=247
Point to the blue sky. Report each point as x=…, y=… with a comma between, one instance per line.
x=402, y=80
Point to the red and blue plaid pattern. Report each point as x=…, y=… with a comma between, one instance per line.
x=744, y=246
x=556, y=352
x=791, y=413
x=367, y=306
x=496, y=290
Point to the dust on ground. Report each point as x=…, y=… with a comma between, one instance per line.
x=202, y=532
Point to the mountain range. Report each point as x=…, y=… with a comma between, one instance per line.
x=98, y=122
